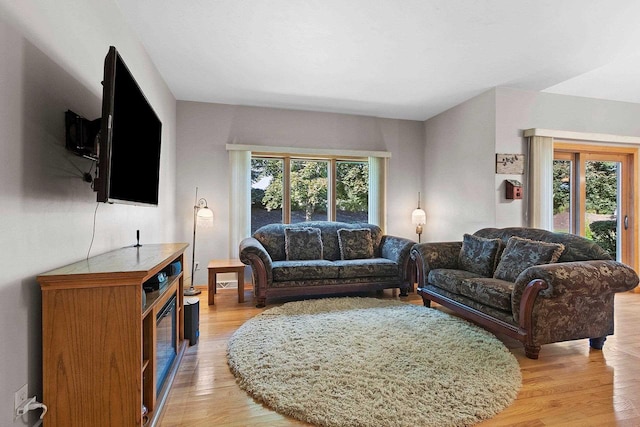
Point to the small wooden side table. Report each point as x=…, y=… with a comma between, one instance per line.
x=217, y=266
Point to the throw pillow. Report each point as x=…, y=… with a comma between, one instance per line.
x=479, y=255
x=302, y=243
x=355, y=243
x=520, y=254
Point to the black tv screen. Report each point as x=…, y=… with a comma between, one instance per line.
x=129, y=146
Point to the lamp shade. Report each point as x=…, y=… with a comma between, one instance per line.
x=418, y=217
x=205, y=217
x=205, y=213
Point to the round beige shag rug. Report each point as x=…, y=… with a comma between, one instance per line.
x=370, y=362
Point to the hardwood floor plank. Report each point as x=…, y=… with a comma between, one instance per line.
x=570, y=385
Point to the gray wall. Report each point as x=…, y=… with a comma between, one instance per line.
x=205, y=129
x=51, y=60
x=459, y=165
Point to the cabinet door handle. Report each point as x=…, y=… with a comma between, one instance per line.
x=626, y=222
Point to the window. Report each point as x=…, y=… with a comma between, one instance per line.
x=295, y=189
x=256, y=170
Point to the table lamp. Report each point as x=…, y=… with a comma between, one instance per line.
x=418, y=218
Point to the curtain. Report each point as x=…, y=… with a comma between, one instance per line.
x=240, y=199
x=540, y=182
x=378, y=192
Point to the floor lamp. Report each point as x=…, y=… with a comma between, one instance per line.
x=202, y=215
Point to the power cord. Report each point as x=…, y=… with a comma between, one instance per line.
x=31, y=404
x=93, y=233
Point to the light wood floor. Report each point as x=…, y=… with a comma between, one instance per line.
x=570, y=385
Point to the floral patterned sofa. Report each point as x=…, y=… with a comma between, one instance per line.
x=530, y=284
x=322, y=257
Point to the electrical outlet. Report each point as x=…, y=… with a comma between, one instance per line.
x=197, y=264
x=21, y=396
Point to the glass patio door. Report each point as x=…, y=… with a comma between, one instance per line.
x=592, y=196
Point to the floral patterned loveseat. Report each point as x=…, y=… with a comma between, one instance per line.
x=323, y=257
x=533, y=285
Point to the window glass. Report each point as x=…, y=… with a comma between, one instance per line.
x=309, y=190
x=601, y=210
x=352, y=191
x=266, y=192
x=562, y=196
x=292, y=190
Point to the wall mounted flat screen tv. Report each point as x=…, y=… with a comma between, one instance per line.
x=129, y=140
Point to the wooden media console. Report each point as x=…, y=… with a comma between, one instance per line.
x=99, y=337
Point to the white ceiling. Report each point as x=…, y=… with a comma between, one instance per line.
x=409, y=59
